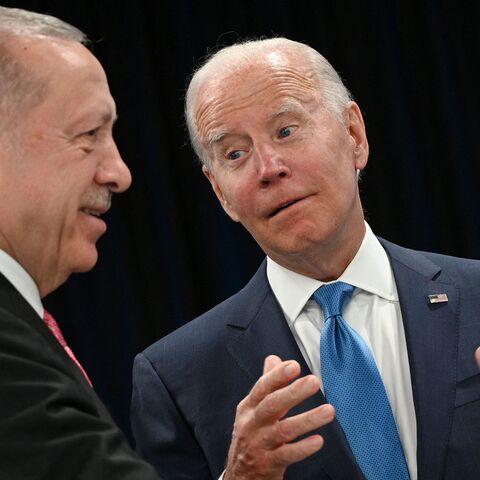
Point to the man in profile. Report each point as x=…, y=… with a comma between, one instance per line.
x=390, y=332
x=59, y=167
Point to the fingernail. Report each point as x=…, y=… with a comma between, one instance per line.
x=326, y=411
x=311, y=383
x=290, y=369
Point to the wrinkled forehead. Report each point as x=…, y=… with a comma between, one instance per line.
x=266, y=83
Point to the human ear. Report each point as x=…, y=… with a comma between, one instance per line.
x=358, y=135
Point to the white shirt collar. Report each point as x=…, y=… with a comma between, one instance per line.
x=22, y=281
x=369, y=270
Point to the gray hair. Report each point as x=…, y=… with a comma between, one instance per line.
x=20, y=88
x=333, y=92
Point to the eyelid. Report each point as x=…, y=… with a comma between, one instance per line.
x=231, y=147
x=229, y=152
x=92, y=132
x=281, y=129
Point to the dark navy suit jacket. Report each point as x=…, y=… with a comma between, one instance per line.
x=188, y=384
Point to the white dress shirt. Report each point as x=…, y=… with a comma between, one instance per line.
x=22, y=281
x=373, y=311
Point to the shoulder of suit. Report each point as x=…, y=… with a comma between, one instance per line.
x=210, y=327
x=451, y=269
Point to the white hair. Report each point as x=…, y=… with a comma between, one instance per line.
x=20, y=88
x=333, y=93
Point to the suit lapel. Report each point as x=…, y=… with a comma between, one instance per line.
x=12, y=300
x=431, y=331
x=259, y=330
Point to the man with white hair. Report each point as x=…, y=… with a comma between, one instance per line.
x=59, y=167
x=389, y=332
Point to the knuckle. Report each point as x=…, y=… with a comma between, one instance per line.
x=241, y=407
x=294, y=390
x=252, y=459
x=268, y=406
x=285, y=430
x=260, y=388
x=314, y=421
x=240, y=428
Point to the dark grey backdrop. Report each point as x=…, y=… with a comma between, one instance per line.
x=170, y=253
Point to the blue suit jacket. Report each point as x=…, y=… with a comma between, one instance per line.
x=188, y=384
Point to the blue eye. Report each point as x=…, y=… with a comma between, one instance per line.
x=235, y=155
x=286, y=132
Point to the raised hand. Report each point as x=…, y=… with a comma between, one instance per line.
x=263, y=441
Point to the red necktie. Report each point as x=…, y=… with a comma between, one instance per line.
x=55, y=329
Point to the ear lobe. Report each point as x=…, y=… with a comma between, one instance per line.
x=356, y=130
x=219, y=193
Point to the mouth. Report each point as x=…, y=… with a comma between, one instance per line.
x=96, y=202
x=284, y=206
x=94, y=212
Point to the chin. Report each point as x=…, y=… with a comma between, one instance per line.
x=85, y=261
x=297, y=240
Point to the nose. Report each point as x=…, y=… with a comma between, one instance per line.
x=112, y=170
x=270, y=164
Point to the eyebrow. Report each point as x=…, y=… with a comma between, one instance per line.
x=104, y=111
x=285, y=108
x=102, y=116
x=108, y=116
x=217, y=136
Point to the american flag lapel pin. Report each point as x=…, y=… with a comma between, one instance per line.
x=437, y=298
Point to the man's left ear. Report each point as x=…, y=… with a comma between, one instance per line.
x=358, y=135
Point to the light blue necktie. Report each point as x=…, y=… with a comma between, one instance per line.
x=354, y=387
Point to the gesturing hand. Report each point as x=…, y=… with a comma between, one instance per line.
x=263, y=443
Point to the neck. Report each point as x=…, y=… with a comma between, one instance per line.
x=40, y=274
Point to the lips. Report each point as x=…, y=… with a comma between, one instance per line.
x=284, y=205
x=90, y=211
x=95, y=210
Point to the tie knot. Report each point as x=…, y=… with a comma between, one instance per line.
x=331, y=297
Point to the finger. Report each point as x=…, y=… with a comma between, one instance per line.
x=278, y=403
x=291, y=428
x=270, y=362
x=279, y=376
x=477, y=356
x=290, y=453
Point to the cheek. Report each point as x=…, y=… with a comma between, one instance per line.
x=240, y=196
x=333, y=162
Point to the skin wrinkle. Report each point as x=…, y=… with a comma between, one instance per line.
x=279, y=52
x=66, y=139
x=314, y=166
x=287, y=107
x=207, y=128
x=287, y=79
x=206, y=116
